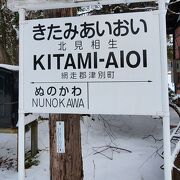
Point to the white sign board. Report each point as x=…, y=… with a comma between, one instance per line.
x=105, y=64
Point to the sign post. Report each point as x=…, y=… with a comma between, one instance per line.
x=165, y=99
x=21, y=124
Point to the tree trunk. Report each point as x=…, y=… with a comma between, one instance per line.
x=2, y=55
x=67, y=166
x=176, y=173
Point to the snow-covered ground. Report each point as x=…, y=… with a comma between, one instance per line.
x=134, y=133
x=114, y=148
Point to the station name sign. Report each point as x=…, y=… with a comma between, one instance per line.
x=105, y=64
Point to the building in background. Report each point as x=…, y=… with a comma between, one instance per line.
x=8, y=96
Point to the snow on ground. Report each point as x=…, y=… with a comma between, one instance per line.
x=114, y=148
x=128, y=132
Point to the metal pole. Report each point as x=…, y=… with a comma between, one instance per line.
x=21, y=129
x=165, y=98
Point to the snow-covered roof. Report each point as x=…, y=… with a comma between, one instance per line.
x=9, y=67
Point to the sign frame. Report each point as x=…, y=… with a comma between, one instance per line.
x=16, y=5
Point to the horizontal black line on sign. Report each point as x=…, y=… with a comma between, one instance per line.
x=148, y=81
